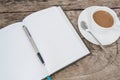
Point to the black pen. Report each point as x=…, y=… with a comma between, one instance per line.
x=33, y=44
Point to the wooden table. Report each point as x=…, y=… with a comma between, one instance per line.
x=94, y=66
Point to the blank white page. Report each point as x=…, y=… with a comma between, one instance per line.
x=56, y=39
x=18, y=61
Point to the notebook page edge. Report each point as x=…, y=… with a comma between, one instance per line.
x=72, y=28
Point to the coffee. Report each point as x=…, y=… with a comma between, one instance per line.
x=103, y=18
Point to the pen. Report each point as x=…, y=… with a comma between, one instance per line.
x=35, y=47
x=33, y=44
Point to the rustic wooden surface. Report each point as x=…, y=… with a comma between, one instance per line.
x=97, y=65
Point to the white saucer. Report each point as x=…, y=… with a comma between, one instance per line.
x=105, y=38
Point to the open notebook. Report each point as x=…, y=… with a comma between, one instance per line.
x=56, y=39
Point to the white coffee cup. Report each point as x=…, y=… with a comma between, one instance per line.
x=94, y=26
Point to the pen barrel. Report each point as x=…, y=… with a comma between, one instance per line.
x=40, y=57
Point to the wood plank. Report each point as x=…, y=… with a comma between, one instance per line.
x=34, y=5
x=94, y=66
x=9, y=18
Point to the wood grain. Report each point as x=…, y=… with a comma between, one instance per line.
x=97, y=65
x=34, y=5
